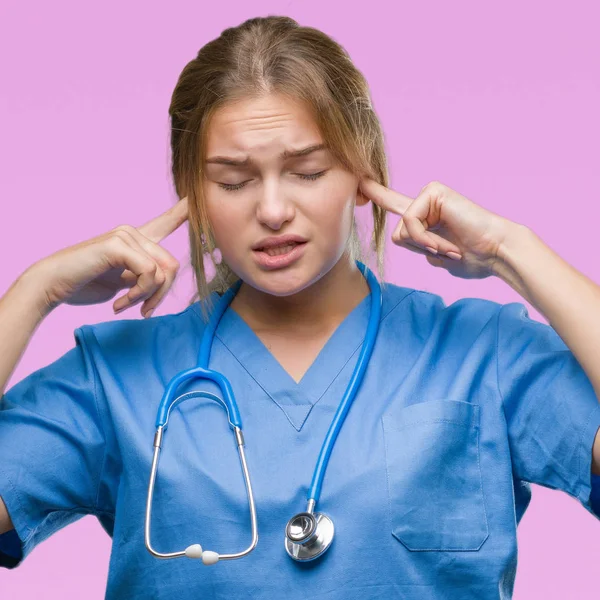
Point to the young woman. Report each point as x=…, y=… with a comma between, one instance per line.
x=455, y=409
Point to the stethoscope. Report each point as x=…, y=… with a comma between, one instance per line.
x=308, y=534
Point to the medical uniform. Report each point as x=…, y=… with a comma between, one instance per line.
x=462, y=407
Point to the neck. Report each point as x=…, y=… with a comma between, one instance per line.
x=322, y=305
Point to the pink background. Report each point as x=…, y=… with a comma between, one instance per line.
x=498, y=102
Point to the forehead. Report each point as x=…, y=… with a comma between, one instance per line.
x=264, y=125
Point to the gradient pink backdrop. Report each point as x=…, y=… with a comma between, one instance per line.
x=500, y=102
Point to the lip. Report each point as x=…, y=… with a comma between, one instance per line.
x=281, y=261
x=279, y=240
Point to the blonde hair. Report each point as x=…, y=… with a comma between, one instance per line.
x=266, y=55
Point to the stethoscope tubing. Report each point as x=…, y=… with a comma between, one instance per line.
x=201, y=371
x=356, y=379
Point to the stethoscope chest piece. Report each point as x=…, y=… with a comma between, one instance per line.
x=308, y=535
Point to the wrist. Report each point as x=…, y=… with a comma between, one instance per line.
x=31, y=290
x=516, y=240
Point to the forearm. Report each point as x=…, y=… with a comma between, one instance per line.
x=569, y=300
x=21, y=311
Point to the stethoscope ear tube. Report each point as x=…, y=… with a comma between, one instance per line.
x=167, y=402
x=208, y=557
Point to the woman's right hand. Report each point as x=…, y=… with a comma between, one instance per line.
x=93, y=271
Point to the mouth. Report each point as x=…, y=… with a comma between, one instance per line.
x=280, y=256
x=280, y=250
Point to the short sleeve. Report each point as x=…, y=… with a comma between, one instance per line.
x=52, y=448
x=551, y=408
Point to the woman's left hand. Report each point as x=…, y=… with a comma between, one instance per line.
x=446, y=221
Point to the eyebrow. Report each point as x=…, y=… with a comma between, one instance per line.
x=226, y=160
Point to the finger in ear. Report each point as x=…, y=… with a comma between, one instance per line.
x=361, y=199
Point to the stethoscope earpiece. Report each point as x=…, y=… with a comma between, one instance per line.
x=194, y=551
x=208, y=556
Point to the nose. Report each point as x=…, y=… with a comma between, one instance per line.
x=274, y=207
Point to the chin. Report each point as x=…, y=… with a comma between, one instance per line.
x=282, y=282
x=279, y=284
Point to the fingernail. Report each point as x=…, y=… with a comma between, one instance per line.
x=453, y=255
x=148, y=313
x=116, y=312
x=432, y=250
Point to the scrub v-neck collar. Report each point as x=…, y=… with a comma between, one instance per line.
x=295, y=399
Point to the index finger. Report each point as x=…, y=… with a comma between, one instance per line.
x=160, y=227
x=385, y=197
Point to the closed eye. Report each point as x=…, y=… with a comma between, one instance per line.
x=232, y=187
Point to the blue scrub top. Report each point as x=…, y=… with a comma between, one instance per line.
x=462, y=407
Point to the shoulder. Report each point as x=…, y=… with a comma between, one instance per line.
x=431, y=308
x=463, y=321
x=507, y=325
x=124, y=336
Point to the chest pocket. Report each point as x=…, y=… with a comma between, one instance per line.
x=434, y=476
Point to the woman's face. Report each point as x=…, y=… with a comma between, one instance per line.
x=256, y=194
